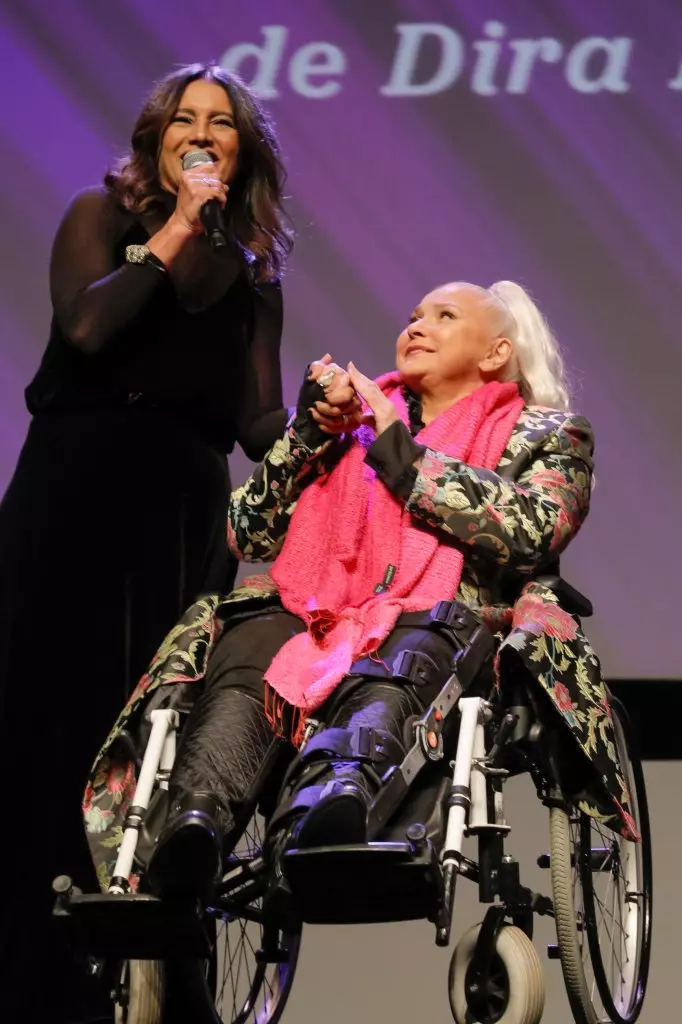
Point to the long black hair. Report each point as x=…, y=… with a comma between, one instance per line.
x=254, y=214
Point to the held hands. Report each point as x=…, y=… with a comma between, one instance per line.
x=197, y=186
x=341, y=412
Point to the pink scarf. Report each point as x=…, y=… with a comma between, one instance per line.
x=348, y=528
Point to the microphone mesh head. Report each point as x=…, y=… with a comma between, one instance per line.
x=194, y=158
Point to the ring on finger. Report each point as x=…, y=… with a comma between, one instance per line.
x=326, y=378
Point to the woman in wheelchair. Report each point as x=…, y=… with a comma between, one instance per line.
x=458, y=478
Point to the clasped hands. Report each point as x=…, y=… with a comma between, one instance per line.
x=351, y=399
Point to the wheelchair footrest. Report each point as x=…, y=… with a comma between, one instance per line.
x=364, y=884
x=133, y=927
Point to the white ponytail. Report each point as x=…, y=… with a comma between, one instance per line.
x=536, y=364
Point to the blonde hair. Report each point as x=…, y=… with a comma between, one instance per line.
x=536, y=363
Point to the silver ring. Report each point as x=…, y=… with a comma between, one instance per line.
x=326, y=378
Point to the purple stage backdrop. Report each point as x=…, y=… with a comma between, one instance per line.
x=426, y=141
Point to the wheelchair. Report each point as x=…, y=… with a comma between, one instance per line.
x=234, y=960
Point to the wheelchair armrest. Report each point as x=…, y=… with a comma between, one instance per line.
x=570, y=599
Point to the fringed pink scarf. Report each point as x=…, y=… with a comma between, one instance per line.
x=348, y=528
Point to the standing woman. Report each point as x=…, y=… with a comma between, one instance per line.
x=162, y=354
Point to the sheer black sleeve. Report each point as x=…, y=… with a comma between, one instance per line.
x=93, y=300
x=262, y=418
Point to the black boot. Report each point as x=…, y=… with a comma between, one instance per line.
x=187, y=861
x=330, y=786
x=339, y=815
x=332, y=783
x=225, y=756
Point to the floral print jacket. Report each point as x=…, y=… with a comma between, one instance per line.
x=513, y=524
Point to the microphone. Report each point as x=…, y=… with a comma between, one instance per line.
x=211, y=212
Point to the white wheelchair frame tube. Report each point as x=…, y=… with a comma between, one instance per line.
x=470, y=750
x=159, y=757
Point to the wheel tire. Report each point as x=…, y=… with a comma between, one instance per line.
x=564, y=913
x=569, y=868
x=526, y=983
x=618, y=1010
x=144, y=981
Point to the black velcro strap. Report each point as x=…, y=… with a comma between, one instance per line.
x=452, y=619
x=456, y=620
x=363, y=744
x=476, y=657
x=418, y=668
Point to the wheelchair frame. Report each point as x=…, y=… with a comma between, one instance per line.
x=497, y=873
x=474, y=807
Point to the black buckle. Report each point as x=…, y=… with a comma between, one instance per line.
x=414, y=666
x=363, y=744
x=456, y=618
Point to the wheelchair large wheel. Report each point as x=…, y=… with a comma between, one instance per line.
x=602, y=888
x=516, y=993
x=243, y=987
x=236, y=985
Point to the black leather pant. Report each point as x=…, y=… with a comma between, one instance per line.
x=228, y=748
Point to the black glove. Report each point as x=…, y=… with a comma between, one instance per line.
x=304, y=425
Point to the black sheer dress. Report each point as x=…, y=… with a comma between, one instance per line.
x=113, y=523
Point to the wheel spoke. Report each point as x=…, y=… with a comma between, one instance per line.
x=251, y=998
x=230, y=970
x=606, y=927
x=259, y=988
x=239, y=968
x=611, y=936
x=235, y=992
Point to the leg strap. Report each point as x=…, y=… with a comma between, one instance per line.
x=469, y=646
x=371, y=751
x=362, y=744
x=374, y=760
x=476, y=644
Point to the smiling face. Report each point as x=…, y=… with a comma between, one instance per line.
x=204, y=119
x=452, y=342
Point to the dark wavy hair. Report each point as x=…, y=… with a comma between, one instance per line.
x=254, y=214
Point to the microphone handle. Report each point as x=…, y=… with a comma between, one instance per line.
x=212, y=218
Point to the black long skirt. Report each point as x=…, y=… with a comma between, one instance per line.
x=114, y=522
